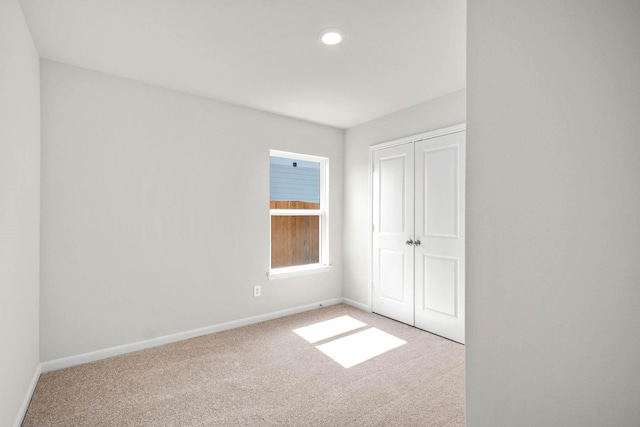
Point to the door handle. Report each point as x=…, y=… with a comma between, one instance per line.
x=417, y=243
x=409, y=242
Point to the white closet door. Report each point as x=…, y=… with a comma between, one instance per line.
x=392, y=257
x=440, y=229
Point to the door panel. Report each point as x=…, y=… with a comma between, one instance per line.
x=440, y=175
x=393, y=192
x=392, y=258
x=440, y=284
x=392, y=278
x=439, y=218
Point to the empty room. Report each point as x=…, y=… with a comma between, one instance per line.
x=319, y=213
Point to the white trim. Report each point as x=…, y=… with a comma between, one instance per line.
x=323, y=214
x=297, y=270
x=297, y=212
x=324, y=207
x=420, y=137
x=93, y=356
x=27, y=397
x=370, y=232
x=356, y=304
x=294, y=156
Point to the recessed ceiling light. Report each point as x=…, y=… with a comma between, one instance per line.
x=331, y=36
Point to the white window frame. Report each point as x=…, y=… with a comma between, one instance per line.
x=323, y=213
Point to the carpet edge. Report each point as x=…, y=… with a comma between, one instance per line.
x=93, y=356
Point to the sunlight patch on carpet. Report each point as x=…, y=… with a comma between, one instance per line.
x=329, y=328
x=359, y=347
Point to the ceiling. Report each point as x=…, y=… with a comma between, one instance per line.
x=266, y=54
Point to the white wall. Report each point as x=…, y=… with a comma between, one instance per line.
x=441, y=112
x=19, y=209
x=553, y=213
x=155, y=211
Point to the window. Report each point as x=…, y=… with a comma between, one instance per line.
x=298, y=186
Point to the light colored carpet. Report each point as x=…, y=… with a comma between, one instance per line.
x=262, y=375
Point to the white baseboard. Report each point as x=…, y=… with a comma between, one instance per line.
x=356, y=304
x=27, y=397
x=93, y=356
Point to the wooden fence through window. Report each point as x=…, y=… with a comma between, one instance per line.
x=295, y=239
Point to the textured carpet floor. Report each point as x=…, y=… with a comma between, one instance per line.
x=262, y=375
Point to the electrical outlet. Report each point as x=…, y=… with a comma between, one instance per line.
x=257, y=291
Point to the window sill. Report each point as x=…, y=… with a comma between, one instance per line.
x=298, y=270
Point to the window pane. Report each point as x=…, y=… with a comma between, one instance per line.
x=295, y=240
x=294, y=184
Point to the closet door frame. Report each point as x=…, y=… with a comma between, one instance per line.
x=406, y=140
